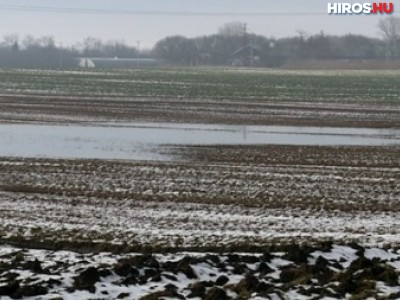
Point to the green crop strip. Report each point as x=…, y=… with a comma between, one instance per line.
x=379, y=86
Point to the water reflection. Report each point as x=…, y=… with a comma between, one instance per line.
x=141, y=140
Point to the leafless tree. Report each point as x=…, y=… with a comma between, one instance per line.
x=10, y=40
x=390, y=30
x=232, y=29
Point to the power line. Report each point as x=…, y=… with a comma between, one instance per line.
x=72, y=10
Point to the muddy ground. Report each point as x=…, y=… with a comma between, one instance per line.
x=212, y=197
x=220, y=223
x=319, y=221
x=71, y=109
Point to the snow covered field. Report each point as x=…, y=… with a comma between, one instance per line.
x=333, y=272
x=45, y=219
x=291, y=194
x=215, y=220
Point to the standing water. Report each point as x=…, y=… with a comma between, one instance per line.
x=140, y=141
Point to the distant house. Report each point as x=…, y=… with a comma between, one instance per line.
x=125, y=63
x=248, y=55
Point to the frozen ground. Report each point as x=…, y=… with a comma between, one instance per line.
x=62, y=219
x=252, y=111
x=331, y=272
x=218, y=199
x=320, y=222
x=223, y=199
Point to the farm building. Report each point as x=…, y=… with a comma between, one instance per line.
x=105, y=62
x=246, y=56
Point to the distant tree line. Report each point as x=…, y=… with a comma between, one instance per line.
x=44, y=52
x=224, y=48
x=231, y=45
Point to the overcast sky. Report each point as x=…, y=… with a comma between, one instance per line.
x=125, y=22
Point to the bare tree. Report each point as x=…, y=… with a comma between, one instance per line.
x=233, y=29
x=92, y=47
x=390, y=30
x=10, y=40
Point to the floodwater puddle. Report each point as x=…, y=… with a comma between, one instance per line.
x=141, y=141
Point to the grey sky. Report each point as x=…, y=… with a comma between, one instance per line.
x=70, y=28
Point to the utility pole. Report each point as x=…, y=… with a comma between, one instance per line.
x=251, y=54
x=248, y=43
x=138, y=51
x=60, y=53
x=244, y=34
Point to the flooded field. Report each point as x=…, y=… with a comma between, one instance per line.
x=146, y=141
x=248, y=184
x=317, y=145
